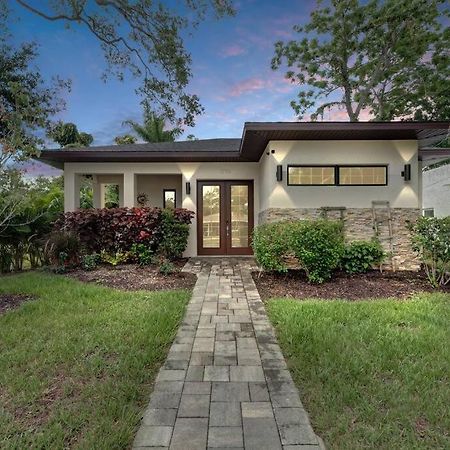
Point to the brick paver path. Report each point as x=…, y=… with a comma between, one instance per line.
x=225, y=383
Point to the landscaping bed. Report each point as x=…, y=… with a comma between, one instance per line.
x=373, y=284
x=132, y=277
x=12, y=301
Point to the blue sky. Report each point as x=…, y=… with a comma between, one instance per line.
x=230, y=63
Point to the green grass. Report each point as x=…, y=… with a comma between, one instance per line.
x=372, y=374
x=77, y=363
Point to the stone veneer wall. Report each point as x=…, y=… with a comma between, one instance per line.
x=358, y=224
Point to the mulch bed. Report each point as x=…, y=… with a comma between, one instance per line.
x=132, y=277
x=9, y=302
x=402, y=284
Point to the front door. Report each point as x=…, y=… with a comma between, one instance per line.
x=224, y=217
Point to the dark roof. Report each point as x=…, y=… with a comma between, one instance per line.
x=255, y=137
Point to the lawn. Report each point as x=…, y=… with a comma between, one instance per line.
x=372, y=374
x=77, y=363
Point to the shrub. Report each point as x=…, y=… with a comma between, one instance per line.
x=361, y=256
x=142, y=254
x=174, y=235
x=317, y=245
x=270, y=245
x=118, y=229
x=166, y=267
x=114, y=258
x=90, y=262
x=63, y=249
x=431, y=240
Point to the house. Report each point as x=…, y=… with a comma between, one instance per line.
x=366, y=173
x=436, y=192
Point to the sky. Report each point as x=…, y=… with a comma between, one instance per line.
x=230, y=63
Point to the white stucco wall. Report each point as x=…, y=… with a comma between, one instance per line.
x=191, y=172
x=153, y=186
x=395, y=154
x=436, y=190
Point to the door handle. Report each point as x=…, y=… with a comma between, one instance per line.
x=228, y=228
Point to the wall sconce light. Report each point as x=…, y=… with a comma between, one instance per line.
x=406, y=174
x=280, y=173
x=188, y=188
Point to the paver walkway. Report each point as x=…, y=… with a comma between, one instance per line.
x=225, y=383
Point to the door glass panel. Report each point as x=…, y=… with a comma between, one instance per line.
x=239, y=216
x=211, y=216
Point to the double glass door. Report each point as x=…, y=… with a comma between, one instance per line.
x=225, y=217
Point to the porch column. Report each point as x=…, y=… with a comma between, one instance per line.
x=97, y=193
x=71, y=191
x=128, y=196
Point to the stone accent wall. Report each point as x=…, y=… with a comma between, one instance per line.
x=358, y=224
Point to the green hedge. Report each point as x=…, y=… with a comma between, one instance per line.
x=317, y=245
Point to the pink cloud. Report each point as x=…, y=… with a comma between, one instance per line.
x=233, y=50
x=247, y=86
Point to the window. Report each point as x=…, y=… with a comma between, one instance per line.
x=311, y=175
x=337, y=175
x=362, y=175
x=170, y=198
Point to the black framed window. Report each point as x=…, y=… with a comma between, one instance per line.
x=337, y=175
x=362, y=175
x=169, y=198
x=311, y=176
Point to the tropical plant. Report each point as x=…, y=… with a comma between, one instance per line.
x=125, y=139
x=361, y=256
x=152, y=128
x=389, y=58
x=431, y=241
x=67, y=135
x=143, y=38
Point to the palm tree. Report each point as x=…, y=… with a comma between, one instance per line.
x=152, y=130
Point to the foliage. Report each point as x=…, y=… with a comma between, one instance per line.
x=174, y=235
x=62, y=249
x=166, y=267
x=143, y=38
x=361, y=256
x=317, y=245
x=389, y=58
x=116, y=258
x=116, y=230
x=103, y=347
x=152, y=129
x=125, y=139
x=270, y=245
x=369, y=370
x=90, y=262
x=27, y=210
x=67, y=135
x=431, y=240
x=143, y=254
x=27, y=103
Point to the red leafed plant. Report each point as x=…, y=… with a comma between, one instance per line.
x=117, y=229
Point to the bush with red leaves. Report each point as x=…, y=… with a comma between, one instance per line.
x=117, y=229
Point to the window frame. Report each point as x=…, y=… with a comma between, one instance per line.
x=323, y=166
x=174, y=197
x=337, y=181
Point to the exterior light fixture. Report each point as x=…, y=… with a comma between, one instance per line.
x=406, y=174
x=280, y=173
x=188, y=188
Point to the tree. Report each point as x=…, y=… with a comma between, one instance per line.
x=152, y=129
x=26, y=102
x=390, y=58
x=143, y=38
x=126, y=139
x=67, y=135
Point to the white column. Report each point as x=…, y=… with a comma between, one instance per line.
x=128, y=198
x=71, y=191
x=97, y=192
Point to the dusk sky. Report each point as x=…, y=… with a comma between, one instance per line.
x=230, y=62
